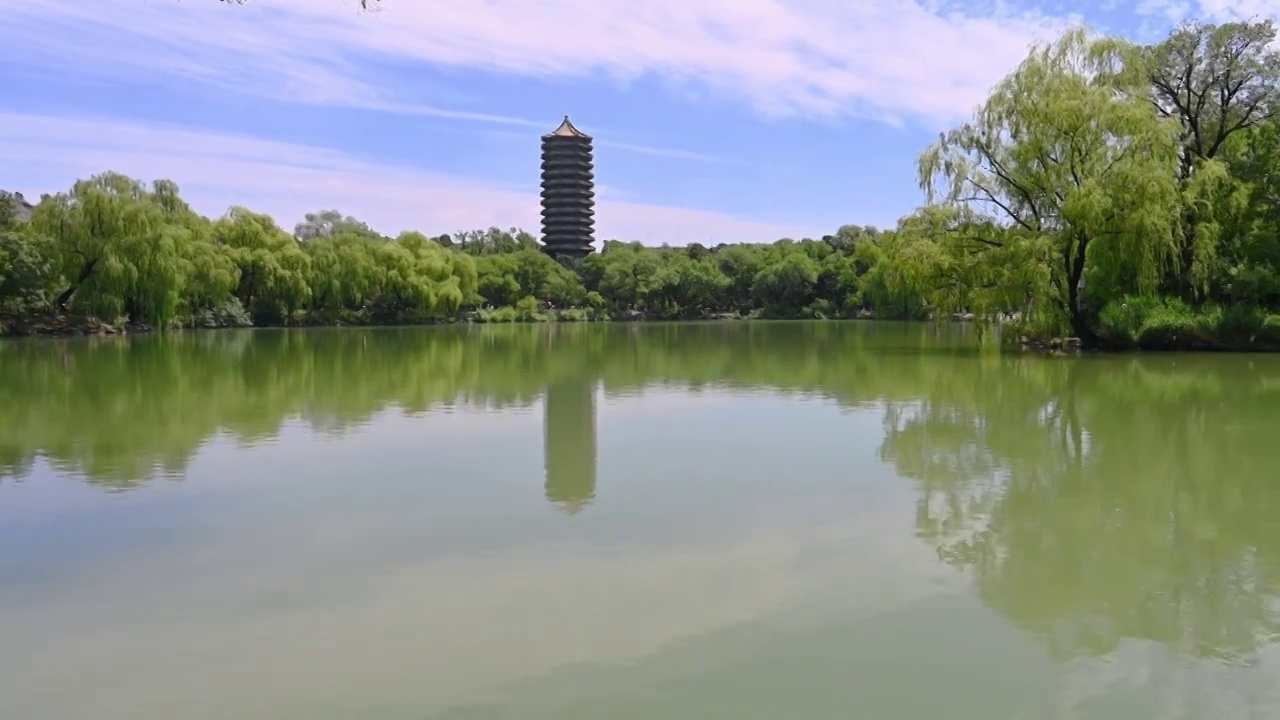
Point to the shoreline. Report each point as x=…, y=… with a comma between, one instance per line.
x=66, y=327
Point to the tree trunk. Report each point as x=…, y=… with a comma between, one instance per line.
x=86, y=270
x=1081, y=325
x=1181, y=283
x=64, y=298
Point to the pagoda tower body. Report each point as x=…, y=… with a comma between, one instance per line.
x=568, y=192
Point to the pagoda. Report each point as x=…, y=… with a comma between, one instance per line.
x=568, y=192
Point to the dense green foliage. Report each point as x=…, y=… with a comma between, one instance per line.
x=1122, y=194
x=1115, y=192
x=115, y=249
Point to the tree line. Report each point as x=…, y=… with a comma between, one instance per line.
x=1119, y=193
x=114, y=247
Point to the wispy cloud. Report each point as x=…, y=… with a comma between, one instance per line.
x=890, y=59
x=667, y=152
x=402, y=108
x=672, y=153
x=216, y=171
x=1211, y=10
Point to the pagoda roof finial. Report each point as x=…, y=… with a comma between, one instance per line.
x=567, y=129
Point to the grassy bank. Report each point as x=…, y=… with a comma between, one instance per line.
x=1168, y=324
x=1136, y=324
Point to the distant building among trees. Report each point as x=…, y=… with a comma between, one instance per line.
x=568, y=192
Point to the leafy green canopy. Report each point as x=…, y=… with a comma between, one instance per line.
x=1106, y=190
x=116, y=249
x=1064, y=176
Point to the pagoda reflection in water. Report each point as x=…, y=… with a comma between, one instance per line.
x=569, y=434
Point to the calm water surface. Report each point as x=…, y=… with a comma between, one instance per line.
x=660, y=521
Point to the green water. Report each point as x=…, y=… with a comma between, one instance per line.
x=733, y=521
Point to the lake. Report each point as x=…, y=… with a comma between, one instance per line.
x=733, y=520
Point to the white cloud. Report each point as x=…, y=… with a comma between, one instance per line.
x=46, y=154
x=889, y=59
x=1217, y=11
x=1229, y=10
x=1171, y=10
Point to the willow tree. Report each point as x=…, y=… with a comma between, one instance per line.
x=496, y=282
x=1215, y=81
x=119, y=246
x=1249, y=265
x=1064, y=174
x=211, y=274
x=879, y=282
x=785, y=285
x=417, y=279
x=345, y=274
x=273, y=277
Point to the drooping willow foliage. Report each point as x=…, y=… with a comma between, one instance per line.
x=114, y=248
x=1113, y=192
x=1100, y=176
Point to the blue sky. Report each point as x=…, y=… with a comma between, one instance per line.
x=715, y=120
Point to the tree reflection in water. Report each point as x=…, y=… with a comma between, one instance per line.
x=1092, y=500
x=1107, y=499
